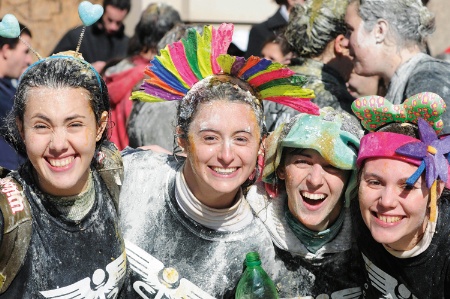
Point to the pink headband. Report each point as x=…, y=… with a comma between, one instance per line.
x=384, y=145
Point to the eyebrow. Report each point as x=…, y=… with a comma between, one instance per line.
x=70, y=118
x=371, y=174
x=216, y=131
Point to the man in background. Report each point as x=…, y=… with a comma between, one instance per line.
x=15, y=57
x=270, y=28
x=103, y=41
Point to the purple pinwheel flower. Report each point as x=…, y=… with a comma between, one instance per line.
x=431, y=151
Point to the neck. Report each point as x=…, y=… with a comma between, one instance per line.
x=395, y=61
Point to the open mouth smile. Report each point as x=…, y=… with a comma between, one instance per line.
x=60, y=162
x=313, y=198
x=224, y=171
x=387, y=218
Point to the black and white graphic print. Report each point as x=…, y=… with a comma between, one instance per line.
x=387, y=285
x=158, y=281
x=102, y=285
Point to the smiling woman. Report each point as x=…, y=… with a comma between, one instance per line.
x=59, y=121
x=189, y=216
x=402, y=215
x=310, y=172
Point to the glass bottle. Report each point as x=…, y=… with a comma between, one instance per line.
x=254, y=282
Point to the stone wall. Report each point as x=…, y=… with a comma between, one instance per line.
x=48, y=20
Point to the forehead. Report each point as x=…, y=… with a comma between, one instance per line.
x=225, y=114
x=57, y=100
x=351, y=15
x=389, y=168
x=114, y=13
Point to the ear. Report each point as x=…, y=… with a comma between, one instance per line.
x=381, y=31
x=182, y=143
x=281, y=172
x=4, y=51
x=341, y=45
x=20, y=127
x=102, y=127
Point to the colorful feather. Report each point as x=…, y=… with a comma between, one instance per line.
x=182, y=64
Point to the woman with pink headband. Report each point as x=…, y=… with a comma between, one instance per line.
x=402, y=223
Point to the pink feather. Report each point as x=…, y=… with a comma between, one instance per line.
x=299, y=104
x=179, y=60
x=269, y=76
x=221, y=40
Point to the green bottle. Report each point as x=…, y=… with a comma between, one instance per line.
x=254, y=282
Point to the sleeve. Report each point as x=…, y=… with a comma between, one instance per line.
x=16, y=222
x=110, y=167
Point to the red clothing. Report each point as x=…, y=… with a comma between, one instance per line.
x=120, y=85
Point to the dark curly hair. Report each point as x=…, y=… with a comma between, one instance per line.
x=56, y=72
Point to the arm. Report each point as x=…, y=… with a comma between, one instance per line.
x=16, y=227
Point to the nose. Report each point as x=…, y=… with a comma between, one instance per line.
x=315, y=176
x=59, y=141
x=113, y=27
x=226, y=153
x=388, y=198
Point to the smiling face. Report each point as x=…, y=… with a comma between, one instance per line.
x=395, y=214
x=222, y=148
x=314, y=188
x=60, y=133
x=362, y=43
x=113, y=19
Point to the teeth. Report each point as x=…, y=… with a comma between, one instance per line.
x=60, y=162
x=389, y=219
x=224, y=170
x=313, y=196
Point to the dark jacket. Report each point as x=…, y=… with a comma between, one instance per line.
x=9, y=158
x=96, y=44
x=262, y=32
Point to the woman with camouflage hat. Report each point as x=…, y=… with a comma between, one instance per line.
x=310, y=172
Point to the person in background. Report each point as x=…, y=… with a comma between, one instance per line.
x=277, y=50
x=270, y=28
x=14, y=59
x=387, y=38
x=316, y=34
x=154, y=123
x=402, y=210
x=310, y=174
x=186, y=222
x=103, y=41
x=360, y=86
x=126, y=76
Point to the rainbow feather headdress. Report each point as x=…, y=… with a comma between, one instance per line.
x=184, y=63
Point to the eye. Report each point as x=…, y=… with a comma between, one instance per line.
x=209, y=138
x=301, y=163
x=40, y=127
x=76, y=124
x=348, y=33
x=410, y=187
x=373, y=182
x=241, y=140
x=331, y=169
